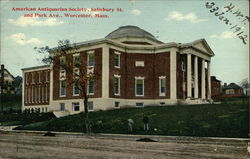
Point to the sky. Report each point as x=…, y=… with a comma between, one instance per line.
x=169, y=21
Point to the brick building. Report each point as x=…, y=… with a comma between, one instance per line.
x=232, y=90
x=215, y=87
x=132, y=68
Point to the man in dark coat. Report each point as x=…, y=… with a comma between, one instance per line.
x=145, y=121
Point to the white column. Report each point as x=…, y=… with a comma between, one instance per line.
x=105, y=71
x=203, y=82
x=173, y=74
x=196, y=77
x=189, y=76
x=208, y=81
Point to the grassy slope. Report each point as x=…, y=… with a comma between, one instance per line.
x=225, y=120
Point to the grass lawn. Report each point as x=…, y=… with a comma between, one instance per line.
x=224, y=120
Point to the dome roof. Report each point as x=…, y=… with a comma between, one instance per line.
x=129, y=30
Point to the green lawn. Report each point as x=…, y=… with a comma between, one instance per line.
x=225, y=120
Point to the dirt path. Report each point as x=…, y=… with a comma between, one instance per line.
x=28, y=145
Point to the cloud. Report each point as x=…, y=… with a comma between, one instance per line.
x=19, y=38
x=33, y=21
x=192, y=17
x=223, y=35
x=136, y=12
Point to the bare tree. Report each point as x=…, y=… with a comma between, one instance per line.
x=245, y=84
x=81, y=76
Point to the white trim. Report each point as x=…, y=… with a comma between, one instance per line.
x=139, y=103
x=143, y=87
x=117, y=52
x=105, y=71
x=39, y=94
x=173, y=70
x=139, y=63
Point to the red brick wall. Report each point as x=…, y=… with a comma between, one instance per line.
x=41, y=98
x=215, y=89
x=155, y=65
x=69, y=77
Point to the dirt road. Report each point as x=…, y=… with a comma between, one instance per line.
x=30, y=145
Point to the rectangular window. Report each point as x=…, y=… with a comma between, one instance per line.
x=117, y=59
x=91, y=87
x=90, y=106
x=139, y=104
x=62, y=107
x=139, y=84
x=62, y=88
x=76, y=90
x=91, y=59
x=62, y=62
x=76, y=60
x=117, y=85
x=76, y=106
x=162, y=86
x=117, y=104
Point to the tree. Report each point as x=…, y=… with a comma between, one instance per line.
x=245, y=84
x=75, y=69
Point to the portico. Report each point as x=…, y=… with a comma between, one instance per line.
x=198, y=65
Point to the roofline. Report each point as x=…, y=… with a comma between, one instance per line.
x=36, y=67
x=8, y=72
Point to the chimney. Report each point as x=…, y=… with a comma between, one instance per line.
x=225, y=84
x=2, y=67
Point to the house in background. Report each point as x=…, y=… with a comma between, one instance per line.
x=215, y=87
x=232, y=90
x=7, y=81
x=131, y=68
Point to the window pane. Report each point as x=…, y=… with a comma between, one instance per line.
x=117, y=81
x=62, y=106
x=163, y=85
x=91, y=86
x=90, y=106
x=91, y=59
x=63, y=88
x=76, y=88
x=76, y=106
x=117, y=104
x=139, y=87
x=117, y=60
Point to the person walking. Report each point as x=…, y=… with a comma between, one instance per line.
x=130, y=125
x=146, y=121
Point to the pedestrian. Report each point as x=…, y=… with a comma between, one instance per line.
x=130, y=125
x=145, y=121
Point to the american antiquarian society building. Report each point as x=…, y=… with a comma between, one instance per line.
x=134, y=69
